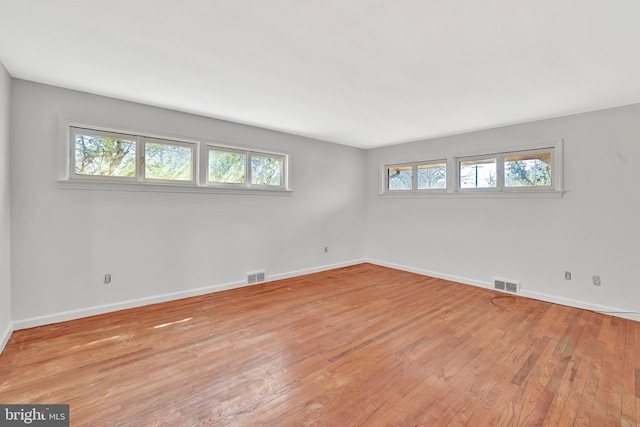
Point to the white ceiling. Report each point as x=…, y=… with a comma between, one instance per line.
x=364, y=73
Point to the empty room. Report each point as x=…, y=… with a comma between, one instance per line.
x=319, y=213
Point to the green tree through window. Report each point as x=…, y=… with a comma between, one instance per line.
x=528, y=170
x=266, y=170
x=227, y=167
x=168, y=162
x=104, y=155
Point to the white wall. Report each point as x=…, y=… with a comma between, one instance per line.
x=159, y=246
x=594, y=229
x=64, y=241
x=5, y=247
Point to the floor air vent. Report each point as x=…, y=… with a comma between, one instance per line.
x=253, y=278
x=506, y=285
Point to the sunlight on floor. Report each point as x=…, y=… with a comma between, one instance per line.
x=172, y=323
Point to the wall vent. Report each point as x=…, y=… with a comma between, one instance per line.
x=257, y=277
x=505, y=285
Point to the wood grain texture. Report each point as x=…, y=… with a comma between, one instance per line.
x=358, y=346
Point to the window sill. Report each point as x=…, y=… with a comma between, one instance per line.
x=165, y=188
x=475, y=195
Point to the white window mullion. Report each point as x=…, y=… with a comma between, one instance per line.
x=500, y=172
x=248, y=168
x=141, y=159
x=203, y=165
x=414, y=177
x=452, y=175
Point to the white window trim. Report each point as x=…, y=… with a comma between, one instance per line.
x=414, y=177
x=70, y=156
x=194, y=146
x=234, y=185
x=556, y=190
x=266, y=154
x=385, y=177
x=67, y=179
x=456, y=173
x=249, y=153
x=554, y=168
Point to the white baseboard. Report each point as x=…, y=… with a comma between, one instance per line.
x=302, y=272
x=64, y=316
x=5, y=335
x=107, y=308
x=430, y=273
x=613, y=311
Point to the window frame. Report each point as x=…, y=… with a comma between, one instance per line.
x=552, y=166
x=69, y=179
x=501, y=172
x=414, y=177
x=248, y=153
x=446, y=177
x=71, y=155
x=453, y=188
x=400, y=165
x=163, y=141
x=237, y=185
x=266, y=154
x=458, y=177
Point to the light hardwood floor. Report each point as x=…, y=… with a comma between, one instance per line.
x=357, y=346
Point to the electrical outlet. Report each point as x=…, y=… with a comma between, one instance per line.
x=107, y=278
x=596, y=281
x=326, y=249
x=567, y=275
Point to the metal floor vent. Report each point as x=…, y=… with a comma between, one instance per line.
x=507, y=285
x=253, y=278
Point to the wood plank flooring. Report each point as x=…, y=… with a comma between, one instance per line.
x=357, y=346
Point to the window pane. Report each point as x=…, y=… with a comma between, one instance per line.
x=400, y=178
x=527, y=170
x=432, y=176
x=478, y=173
x=113, y=155
x=266, y=170
x=170, y=162
x=227, y=167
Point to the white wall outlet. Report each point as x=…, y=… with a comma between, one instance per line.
x=567, y=275
x=107, y=278
x=596, y=281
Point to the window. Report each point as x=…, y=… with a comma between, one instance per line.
x=478, y=172
x=227, y=166
x=230, y=167
x=511, y=171
x=531, y=169
x=421, y=176
x=534, y=171
x=432, y=176
x=104, y=154
x=168, y=161
x=400, y=178
x=266, y=170
x=109, y=156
